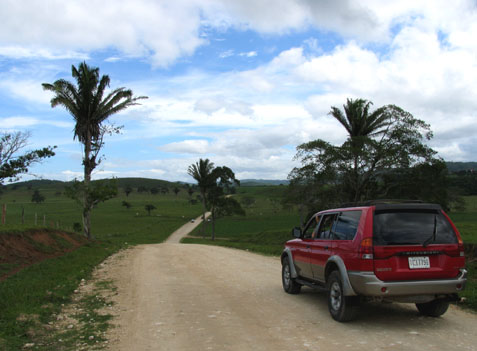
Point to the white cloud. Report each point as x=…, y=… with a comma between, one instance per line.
x=165, y=31
x=249, y=54
x=19, y=52
x=25, y=89
x=187, y=147
x=23, y=122
x=226, y=54
x=162, y=31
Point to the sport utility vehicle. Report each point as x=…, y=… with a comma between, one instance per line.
x=406, y=252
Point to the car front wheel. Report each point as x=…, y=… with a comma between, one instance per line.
x=289, y=284
x=342, y=308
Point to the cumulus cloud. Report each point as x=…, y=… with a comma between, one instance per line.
x=20, y=122
x=165, y=31
x=162, y=31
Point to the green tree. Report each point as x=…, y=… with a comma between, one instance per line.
x=214, y=184
x=357, y=170
x=202, y=172
x=97, y=192
x=149, y=208
x=128, y=190
x=12, y=161
x=176, y=190
x=90, y=106
x=190, y=191
x=219, y=201
x=37, y=197
x=126, y=204
x=141, y=189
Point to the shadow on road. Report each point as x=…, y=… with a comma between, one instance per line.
x=375, y=315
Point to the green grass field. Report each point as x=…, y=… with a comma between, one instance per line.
x=466, y=221
x=36, y=293
x=32, y=296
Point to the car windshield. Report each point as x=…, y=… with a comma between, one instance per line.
x=412, y=227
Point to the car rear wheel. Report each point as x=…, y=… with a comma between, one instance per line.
x=434, y=308
x=342, y=308
x=289, y=284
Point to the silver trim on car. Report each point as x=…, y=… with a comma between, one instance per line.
x=366, y=283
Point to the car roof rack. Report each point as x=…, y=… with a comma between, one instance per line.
x=381, y=202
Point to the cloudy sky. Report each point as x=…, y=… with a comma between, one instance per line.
x=241, y=82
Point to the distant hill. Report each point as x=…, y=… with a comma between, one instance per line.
x=122, y=183
x=133, y=183
x=461, y=166
x=261, y=182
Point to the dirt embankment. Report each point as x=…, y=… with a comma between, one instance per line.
x=19, y=250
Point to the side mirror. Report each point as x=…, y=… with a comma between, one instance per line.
x=296, y=232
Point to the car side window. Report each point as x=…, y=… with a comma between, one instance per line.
x=311, y=228
x=325, y=231
x=346, y=225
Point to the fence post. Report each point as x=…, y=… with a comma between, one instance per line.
x=36, y=218
x=4, y=213
x=23, y=215
x=44, y=220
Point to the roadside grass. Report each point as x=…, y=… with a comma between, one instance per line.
x=33, y=296
x=466, y=221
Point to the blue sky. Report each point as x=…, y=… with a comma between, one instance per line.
x=240, y=82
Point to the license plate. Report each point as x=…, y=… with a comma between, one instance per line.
x=419, y=262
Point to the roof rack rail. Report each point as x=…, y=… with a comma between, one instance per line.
x=380, y=201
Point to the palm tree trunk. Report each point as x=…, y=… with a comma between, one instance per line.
x=213, y=224
x=204, y=222
x=87, y=181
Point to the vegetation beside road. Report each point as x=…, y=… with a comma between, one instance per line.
x=30, y=299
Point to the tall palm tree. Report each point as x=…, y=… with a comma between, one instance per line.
x=202, y=172
x=90, y=105
x=357, y=119
x=361, y=125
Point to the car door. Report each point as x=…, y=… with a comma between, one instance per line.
x=321, y=247
x=301, y=254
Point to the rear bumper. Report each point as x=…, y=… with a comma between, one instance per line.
x=367, y=284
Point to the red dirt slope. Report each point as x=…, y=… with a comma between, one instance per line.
x=19, y=250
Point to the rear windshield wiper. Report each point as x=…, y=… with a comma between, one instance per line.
x=432, y=238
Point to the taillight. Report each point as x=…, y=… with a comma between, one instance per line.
x=366, y=249
x=461, y=248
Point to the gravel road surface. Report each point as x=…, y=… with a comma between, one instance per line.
x=194, y=297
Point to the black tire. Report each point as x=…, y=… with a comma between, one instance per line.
x=342, y=308
x=289, y=284
x=434, y=308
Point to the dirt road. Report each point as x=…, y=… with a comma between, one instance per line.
x=192, y=297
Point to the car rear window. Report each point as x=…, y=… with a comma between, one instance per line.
x=412, y=227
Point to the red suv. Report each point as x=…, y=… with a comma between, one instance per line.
x=405, y=252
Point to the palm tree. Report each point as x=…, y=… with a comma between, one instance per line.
x=357, y=120
x=87, y=103
x=202, y=172
x=361, y=125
